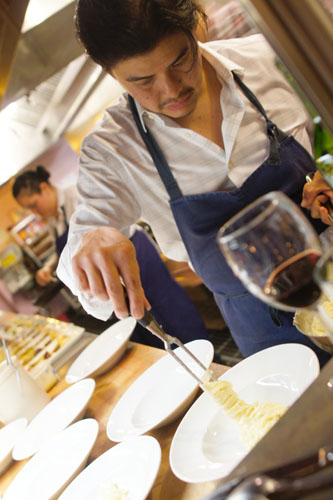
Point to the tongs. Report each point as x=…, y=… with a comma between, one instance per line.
x=149, y=322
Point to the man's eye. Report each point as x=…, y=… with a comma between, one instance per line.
x=144, y=83
x=182, y=61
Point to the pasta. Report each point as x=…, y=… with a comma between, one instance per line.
x=253, y=420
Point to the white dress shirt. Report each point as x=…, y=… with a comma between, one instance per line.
x=118, y=182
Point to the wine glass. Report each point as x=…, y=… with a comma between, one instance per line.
x=273, y=249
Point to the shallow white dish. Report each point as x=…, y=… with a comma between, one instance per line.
x=103, y=353
x=159, y=395
x=59, y=460
x=131, y=465
x=62, y=411
x=206, y=445
x=9, y=436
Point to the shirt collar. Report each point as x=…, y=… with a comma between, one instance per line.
x=220, y=63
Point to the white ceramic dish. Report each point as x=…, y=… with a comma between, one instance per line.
x=59, y=460
x=62, y=411
x=103, y=353
x=131, y=465
x=159, y=395
x=206, y=445
x=9, y=435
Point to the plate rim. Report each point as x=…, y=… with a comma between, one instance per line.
x=89, y=382
x=156, y=452
x=92, y=430
x=203, y=398
x=111, y=434
x=100, y=339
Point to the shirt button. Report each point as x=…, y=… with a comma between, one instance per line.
x=188, y=135
x=151, y=116
x=230, y=164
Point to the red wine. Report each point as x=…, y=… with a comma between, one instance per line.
x=292, y=282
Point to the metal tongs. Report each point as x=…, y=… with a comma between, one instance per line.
x=150, y=323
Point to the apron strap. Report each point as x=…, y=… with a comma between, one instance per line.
x=155, y=151
x=275, y=135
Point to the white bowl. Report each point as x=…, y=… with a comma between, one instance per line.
x=9, y=435
x=206, y=445
x=132, y=466
x=159, y=395
x=103, y=353
x=59, y=460
x=62, y=411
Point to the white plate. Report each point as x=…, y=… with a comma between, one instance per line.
x=59, y=460
x=103, y=352
x=159, y=395
x=9, y=435
x=62, y=411
x=206, y=445
x=131, y=465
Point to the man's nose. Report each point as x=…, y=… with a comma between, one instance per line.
x=171, y=85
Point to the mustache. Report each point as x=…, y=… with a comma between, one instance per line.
x=183, y=93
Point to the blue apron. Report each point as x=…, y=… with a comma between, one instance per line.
x=253, y=324
x=61, y=239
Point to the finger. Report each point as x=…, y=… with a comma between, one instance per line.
x=129, y=271
x=80, y=276
x=324, y=215
x=96, y=285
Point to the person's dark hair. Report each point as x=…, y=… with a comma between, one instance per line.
x=30, y=180
x=115, y=30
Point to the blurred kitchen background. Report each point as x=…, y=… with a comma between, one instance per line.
x=51, y=94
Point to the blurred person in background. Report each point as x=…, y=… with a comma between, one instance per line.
x=33, y=191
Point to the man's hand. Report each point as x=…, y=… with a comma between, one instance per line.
x=43, y=276
x=315, y=195
x=105, y=256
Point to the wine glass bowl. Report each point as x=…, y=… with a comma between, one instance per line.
x=273, y=249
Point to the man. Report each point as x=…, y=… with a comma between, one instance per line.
x=185, y=148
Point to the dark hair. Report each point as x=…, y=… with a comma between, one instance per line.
x=30, y=180
x=115, y=30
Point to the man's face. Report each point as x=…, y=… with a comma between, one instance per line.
x=167, y=80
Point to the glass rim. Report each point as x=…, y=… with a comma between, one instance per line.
x=272, y=196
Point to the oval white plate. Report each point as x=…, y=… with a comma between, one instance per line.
x=206, y=445
x=103, y=353
x=62, y=411
x=56, y=464
x=9, y=436
x=159, y=395
x=131, y=465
